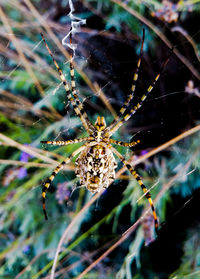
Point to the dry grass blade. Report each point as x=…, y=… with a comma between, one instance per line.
x=33, y=164
x=26, y=149
x=33, y=151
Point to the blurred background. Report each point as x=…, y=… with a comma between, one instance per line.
x=34, y=107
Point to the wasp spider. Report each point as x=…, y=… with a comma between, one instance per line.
x=96, y=164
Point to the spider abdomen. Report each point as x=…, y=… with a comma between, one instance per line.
x=96, y=167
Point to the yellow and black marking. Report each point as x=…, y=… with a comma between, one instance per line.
x=47, y=184
x=74, y=91
x=66, y=142
x=135, y=77
x=144, y=189
x=126, y=144
x=80, y=113
x=100, y=123
x=96, y=163
x=139, y=104
x=146, y=193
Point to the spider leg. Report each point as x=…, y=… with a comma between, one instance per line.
x=126, y=144
x=48, y=182
x=66, y=142
x=139, y=104
x=77, y=109
x=73, y=85
x=135, y=77
x=144, y=189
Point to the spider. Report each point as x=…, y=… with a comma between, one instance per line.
x=96, y=164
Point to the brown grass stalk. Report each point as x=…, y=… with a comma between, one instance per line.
x=28, y=50
x=19, y=119
x=36, y=152
x=34, y=164
x=26, y=149
x=17, y=98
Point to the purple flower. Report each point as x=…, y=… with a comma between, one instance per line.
x=22, y=173
x=24, y=157
x=63, y=193
x=143, y=152
x=26, y=249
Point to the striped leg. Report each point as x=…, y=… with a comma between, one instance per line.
x=66, y=142
x=74, y=91
x=48, y=182
x=126, y=144
x=130, y=96
x=144, y=189
x=80, y=113
x=139, y=104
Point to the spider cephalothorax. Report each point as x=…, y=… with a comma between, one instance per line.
x=95, y=165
